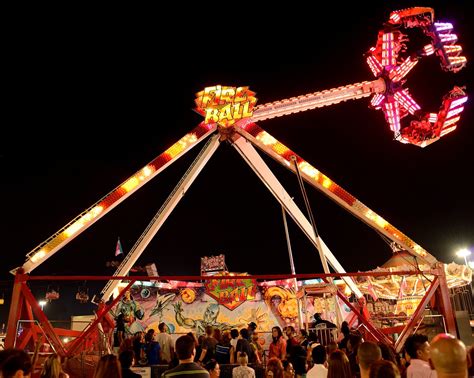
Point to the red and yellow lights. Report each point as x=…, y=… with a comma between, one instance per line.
x=83, y=220
x=135, y=180
x=181, y=145
x=225, y=105
x=99, y=209
x=285, y=156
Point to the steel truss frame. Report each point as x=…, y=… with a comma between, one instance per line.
x=28, y=308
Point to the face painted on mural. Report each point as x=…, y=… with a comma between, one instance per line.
x=211, y=313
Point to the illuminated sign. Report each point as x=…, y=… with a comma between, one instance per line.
x=213, y=263
x=225, y=105
x=232, y=293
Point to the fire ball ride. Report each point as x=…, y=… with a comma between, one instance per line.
x=230, y=114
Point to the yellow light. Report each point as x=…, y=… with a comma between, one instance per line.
x=419, y=250
x=307, y=168
x=93, y=213
x=134, y=181
x=280, y=148
x=266, y=138
x=376, y=218
x=326, y=182
x=76, y=226
x=72, y=229
x=147, y=171
x=115, y=292
x=130, y=184
x=38, y=255
x=347, y=291
x=463, y=253
x=181, y=144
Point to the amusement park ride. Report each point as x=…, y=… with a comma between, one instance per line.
x=230, y=115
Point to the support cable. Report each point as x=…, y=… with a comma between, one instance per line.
x=322, y=256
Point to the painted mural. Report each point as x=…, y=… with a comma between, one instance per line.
x=222, y=303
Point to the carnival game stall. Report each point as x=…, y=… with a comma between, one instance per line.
x=393, y=299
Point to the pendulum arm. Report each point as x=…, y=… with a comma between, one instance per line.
x=88, y=217
x=317, y=99
x=162, y=214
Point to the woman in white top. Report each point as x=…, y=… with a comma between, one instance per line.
x=243, y=371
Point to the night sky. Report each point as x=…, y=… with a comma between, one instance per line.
x=95, y=99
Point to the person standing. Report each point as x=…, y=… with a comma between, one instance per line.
x=243, y=371
x=243, y=345
x=367, y=353
x=108, y=366
x=166, y=343
x=252, y=326
x=52, y=368
x=418, y=349
x=120, y=329
x=278, y=345
x=319, y=370
x=185, y=350
x=208, y=347
x=126, y=361
x=213, y=367
x=449, y=356
x=15, y=363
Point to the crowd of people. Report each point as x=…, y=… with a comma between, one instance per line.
x=289, y=354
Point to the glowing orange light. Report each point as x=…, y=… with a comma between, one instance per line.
x=130, y=184
x=266, y=138
x=326, y=182
x=81, y=222
x=419, y=250
x=376, y=218
x=38, y=255
x=307, y=168
x=181, y=145
x=280, y=148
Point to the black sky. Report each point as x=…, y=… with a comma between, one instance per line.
x=95, y=98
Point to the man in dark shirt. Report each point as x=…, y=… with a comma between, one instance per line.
x=319, y=320
x=243, y=345
x=186, y=368
x=252, y=326
x=126, y=360
x=208, y=347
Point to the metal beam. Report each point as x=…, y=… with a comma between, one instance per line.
x=163, y=214
x=367, y=323
x=445, y=301
x=91, y=327
x=43, y=320
x=16, y=307
x=88, y=217
x=417, y=315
